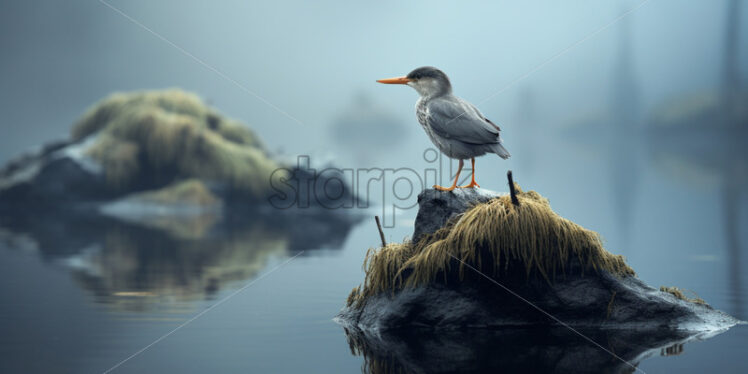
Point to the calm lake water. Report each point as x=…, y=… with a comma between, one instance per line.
x=81, y=295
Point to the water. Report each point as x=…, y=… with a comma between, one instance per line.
x=81, y=296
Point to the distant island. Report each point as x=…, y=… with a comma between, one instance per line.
x=163, y=150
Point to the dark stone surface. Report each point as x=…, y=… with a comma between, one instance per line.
x=435, y=208
x=594, y=300
x=57, y=174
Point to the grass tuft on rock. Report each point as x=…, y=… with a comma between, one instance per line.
x=678, y=293
x=490, y=236
x=172, y=134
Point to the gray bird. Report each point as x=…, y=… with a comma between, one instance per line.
x=454, y=125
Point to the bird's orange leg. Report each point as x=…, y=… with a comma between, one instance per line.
x=454, y=184
x=472, y=177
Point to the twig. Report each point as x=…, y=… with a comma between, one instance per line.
x=381, y=233
x=512, y=190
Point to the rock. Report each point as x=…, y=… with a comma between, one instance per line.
x=435, y=208
x=59, y=173
x=127, y=152
x=614, y=305
x=165, y=162
x=131, y=143
x=592, y=301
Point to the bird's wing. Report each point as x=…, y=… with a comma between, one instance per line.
x=454, y=118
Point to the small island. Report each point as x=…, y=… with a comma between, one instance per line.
x=483, y=266
x=166, y=160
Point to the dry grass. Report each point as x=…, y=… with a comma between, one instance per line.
x=382, y=269
x=677, y=292
x=119, y=158
x=353, y=296
x=610, y=305
x=173, y=133
x=531, y=237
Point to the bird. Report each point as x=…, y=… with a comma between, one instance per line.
x=456, y=127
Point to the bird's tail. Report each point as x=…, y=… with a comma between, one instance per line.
x=499, y=149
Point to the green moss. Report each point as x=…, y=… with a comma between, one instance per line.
x=530, y=236
x=173, y=133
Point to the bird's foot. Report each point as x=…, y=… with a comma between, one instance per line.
x=471, y=185
x=440, y=188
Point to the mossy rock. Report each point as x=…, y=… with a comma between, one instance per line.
x=143, y=141
x=494, y=264
x=169, y=135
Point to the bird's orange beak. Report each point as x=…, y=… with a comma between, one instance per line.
x=398, y=80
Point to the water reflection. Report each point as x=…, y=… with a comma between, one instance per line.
x=159, y=261
x=554, y=350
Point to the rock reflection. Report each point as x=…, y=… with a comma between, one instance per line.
x=132, y=269
x=554, y=350
x=157, y=263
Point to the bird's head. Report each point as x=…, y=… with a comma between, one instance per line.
x=427, y=80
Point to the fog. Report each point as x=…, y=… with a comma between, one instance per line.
x=309, y=59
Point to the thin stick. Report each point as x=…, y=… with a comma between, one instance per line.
x=512, y=190
x=381, y=233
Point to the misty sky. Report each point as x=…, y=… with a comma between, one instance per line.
x=310, y=59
